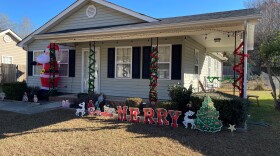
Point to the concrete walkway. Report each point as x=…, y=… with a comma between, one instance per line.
x=28, y=107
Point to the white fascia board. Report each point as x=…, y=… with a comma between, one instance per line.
x=12, y=33
x=126, y=11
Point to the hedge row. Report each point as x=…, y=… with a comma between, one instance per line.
x=232, y=109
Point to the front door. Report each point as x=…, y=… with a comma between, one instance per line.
x=85, y=70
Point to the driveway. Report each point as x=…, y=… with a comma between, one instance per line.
x=28, y=107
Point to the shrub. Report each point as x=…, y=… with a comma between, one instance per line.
x=168, y=105
x=232, y=109
x=133, y=102
x=259, y=87
x=180, y=96
x=15, y=90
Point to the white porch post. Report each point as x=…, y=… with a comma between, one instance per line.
x=245, y=59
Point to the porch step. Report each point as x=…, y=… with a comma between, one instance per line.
x=73, y=98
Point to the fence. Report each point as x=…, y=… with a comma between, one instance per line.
x=12, y=73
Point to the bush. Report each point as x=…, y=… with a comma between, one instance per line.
x=259, y=87
x=232, y=109
x=168, y=105
x=180, y=96
x=15, y=90
x=133, y=102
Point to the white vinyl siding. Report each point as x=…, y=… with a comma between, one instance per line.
x=104, y=17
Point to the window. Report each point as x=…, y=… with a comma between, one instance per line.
x=62, y=58
x=63, y=61
x=164, y=62
x=37, y=69
x=209, y=65
x=7, y=59
x=196, y=61
x=123, y=62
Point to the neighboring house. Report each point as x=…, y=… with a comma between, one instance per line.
x=10, y=53
x=189, y=47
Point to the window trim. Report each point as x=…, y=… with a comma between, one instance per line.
x=131, y=63
x=7, y=56
x=65, y=63
x=33, y=68
x=196, y=51
x=170, y=61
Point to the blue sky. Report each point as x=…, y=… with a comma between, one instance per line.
x=40, y=11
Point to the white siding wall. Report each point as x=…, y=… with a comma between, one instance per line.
x=105, y=17
x=189, y=78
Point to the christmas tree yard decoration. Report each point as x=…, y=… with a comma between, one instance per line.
x=207, y=117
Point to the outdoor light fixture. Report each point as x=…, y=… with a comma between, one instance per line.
x=217, y=40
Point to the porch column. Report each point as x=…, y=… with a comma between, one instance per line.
x=245, y=59
x=91, y=70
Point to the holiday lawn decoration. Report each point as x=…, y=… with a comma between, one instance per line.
x=148, y=115
x=81, y=111
x=25, y=97
x=2, y=96
x=35, y=98
x=232, y=128
x=108, y=112
x=91, y=107
x=49, y=74
x=187, y=120
x=207, y=117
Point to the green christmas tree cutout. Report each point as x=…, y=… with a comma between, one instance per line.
x=207, y=117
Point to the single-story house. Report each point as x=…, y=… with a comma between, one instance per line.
x=190, y=47
x=10, y=53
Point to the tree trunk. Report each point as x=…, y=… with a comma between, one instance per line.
x=276, y=104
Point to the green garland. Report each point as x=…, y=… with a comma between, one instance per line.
x=91, y=67
x=226, y=78
x=153, y=94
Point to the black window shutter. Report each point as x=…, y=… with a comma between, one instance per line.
x=176, y=62
x=72, y=63
x=136, y=58
x=111, y=63
x=146, y=62
x=30, y=60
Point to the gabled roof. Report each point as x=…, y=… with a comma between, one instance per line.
x=78, y=3
x=12, y=33
x=173, y=21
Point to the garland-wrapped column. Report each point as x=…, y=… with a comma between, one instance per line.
x=91, y=70
x=153, y=95
x=52, y=68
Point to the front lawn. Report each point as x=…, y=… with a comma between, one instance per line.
x=59, y=132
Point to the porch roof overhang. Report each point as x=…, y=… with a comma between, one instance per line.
x=148, y=30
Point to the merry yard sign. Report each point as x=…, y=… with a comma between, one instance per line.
x=148, y=115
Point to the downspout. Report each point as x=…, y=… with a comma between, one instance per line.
x=245, y=59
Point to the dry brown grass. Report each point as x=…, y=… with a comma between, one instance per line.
x=59, y=132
